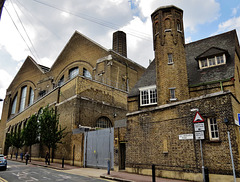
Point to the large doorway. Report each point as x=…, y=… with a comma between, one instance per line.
x=98, y=147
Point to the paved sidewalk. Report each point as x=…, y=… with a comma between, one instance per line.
x=129, y=177
x=99, y=173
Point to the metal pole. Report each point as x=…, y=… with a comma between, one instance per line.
x=230, y=148
x=153, y=173
x=203, y=171
x=63, y=162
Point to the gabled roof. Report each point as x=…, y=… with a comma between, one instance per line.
x=26, y=68
x=76, y=33
x=222, y=43
x=211, y=52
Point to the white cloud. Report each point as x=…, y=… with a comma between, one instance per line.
x=188, y=40
x=235, y=10
x=5, y=79
x=195, y=11
x=233, y=23
x=139, y=42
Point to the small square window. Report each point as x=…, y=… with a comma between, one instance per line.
x=204, y=63
x=170, y=58
x=211, y=61
x=220, y=60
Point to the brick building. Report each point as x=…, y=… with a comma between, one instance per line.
x=87, y=85
x=201, y=75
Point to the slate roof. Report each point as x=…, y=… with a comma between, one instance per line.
x=44, y=68
x=148, y=78
x=225, y=42
x=196, y=76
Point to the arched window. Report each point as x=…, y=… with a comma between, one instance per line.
x=73, y=72
x=14, y=104
x=86, y=73
x=23, y=98
x=31, y=96
x=179, y=26
x=61, y=81
x=103, y=122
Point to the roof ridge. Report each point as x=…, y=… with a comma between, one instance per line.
x=213, y=36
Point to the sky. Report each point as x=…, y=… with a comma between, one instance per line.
x=41, y=28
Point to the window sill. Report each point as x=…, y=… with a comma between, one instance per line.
x=145, y=105
x=168, y=30
x=214, y=141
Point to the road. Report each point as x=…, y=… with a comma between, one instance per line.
x=17, y=171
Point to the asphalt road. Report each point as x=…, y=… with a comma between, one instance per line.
x=17, y=171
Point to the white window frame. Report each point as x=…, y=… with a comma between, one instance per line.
x=151, y=100
x=213, y=129
x=210, y=63
x=172, y=92
x=170, y=58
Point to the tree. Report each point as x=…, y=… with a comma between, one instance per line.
x=31, y=132
x=8, y=143
x=17, y=140
x=50, y=131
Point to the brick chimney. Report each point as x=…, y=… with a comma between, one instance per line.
x=120, y=43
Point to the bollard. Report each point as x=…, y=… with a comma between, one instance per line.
x=108, y=167
x=63, y=162
x=153, y=173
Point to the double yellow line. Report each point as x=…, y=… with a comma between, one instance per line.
x=3, y=180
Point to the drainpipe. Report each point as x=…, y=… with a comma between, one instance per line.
x=221, y=85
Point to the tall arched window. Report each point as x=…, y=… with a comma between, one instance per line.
x=31, y=96
x=14, y=104
x=23, y=98
x=86, y=73
x=103, y=122
x=73, y=72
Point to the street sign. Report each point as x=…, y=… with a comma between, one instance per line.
x=198, y=118
x=199, y=127
x=236, y=122
x=186, y=137
x=199, y=135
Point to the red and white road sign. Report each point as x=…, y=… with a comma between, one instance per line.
x=198, y=118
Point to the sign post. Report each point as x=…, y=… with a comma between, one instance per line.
x=199, y=129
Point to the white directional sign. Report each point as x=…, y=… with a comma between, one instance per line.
x=199, y=127
x=186, y=137
x=199, y=135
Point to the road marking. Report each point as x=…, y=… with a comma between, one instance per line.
x=3, y=180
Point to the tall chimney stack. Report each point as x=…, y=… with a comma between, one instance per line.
x=120, y=43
